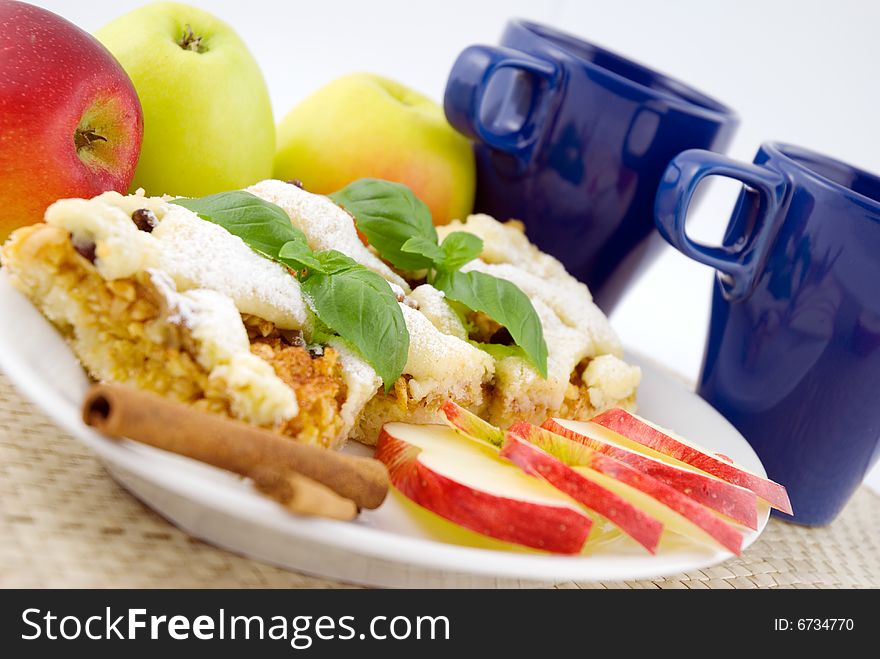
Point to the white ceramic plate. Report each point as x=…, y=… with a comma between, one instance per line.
x=390, y=546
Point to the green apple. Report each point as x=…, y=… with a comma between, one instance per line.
x=362, y=125
x=208, y=122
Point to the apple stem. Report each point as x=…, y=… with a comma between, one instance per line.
x=190, y=41
x=85, y=137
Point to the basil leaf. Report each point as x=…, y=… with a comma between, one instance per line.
x=498, y=351
x=264, y=226
x=427, y=248
x=333, y=262
x=360, y=306
x=352, y=301
x=504, y=303
x=458, y=248
x=389, y=214
x=299, y=256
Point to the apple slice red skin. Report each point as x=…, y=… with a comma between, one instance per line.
x=460, y=419
x=737, y=503
x=559, y=529
x=624, y=423
x=640, y=526
x=524, y=446
x=740, y=504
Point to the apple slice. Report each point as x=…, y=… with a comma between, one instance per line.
x=576, y=469
x=669, y=444
x=737, y=503
x=460, y=419
x=642, y=528
x=466, y=483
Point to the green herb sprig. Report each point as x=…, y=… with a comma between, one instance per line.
x=351, y=300
x=399, y=226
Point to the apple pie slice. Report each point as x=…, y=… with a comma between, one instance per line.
x=149, y=294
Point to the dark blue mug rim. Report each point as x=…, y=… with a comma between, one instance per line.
x=669, y=89
x=806, y=161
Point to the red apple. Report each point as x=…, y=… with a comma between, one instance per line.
x=70, y=120
x=577, y=470
x=668, y=444
x=466, y=483
x=738, y=503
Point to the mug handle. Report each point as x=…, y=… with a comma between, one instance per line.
x=739, y=262
x=467, y=85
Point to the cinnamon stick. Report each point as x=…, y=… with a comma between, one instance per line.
x=302, y=495
x=123, y=411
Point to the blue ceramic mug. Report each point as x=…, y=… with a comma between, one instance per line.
x=793, y=353
x=573, y=139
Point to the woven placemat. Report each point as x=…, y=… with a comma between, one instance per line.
x=65, y=523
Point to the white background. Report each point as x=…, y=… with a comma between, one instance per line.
x=802, y=72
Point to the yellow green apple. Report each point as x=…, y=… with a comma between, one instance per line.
x=208, y=122
x=363, y=125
